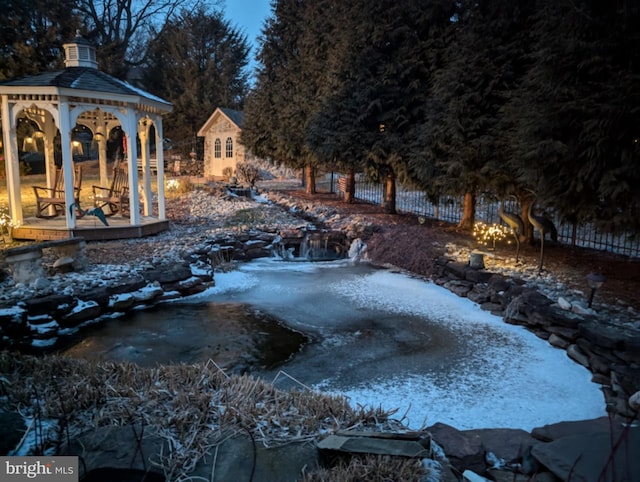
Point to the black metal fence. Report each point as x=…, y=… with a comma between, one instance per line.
x=449, y=209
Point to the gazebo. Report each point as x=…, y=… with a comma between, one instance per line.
x=55, y=103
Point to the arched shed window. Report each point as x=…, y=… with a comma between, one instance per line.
x=217, y=149
x=229, y=147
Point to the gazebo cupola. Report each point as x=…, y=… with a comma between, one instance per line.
x=80, y=53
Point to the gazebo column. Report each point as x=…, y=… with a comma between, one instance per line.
x=12, y=165
x=100, y=136
x=101, y=141
x=49, y=154
x=143, y=133
x=67, y=164
x=130, y=130
x=162, y=214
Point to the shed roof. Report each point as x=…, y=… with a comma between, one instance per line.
x=234, y=116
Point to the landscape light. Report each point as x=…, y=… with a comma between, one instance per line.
x=595, y=282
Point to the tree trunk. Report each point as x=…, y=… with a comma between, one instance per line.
x=310, y=179
x=389, y=194
x=350, y=187
x=468, y=211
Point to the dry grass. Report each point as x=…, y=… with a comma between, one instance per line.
x=193, y=407
x=371, y=468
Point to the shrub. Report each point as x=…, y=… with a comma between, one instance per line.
x=248, y=173
x=227, y=172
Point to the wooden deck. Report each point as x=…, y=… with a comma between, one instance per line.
x=88, y=227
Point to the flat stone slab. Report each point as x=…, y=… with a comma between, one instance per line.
x=593, y=457
x=240, y=458
x=377, y=443
x=555, y=431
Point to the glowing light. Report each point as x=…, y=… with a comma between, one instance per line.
x=488, y=234
x=173, y=185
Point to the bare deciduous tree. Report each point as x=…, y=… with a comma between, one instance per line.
x=121, y=28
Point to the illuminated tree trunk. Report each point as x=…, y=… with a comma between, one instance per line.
x=350, y=187
x=468, y=211
x=389, y=194
x=310, y=179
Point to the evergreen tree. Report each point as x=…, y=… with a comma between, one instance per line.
x=198, y=62
x=32, y=35
x=480, y=65
x=283, y=100
x=378, y=91
x=577, y=113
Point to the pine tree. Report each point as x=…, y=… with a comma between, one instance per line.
x=198, y=62
x=577, y=117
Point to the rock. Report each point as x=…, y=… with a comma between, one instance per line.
x=581, y=310
x=100, y=295
x=599, y=364
x=608, y=335
x=600, y=379
x=570, y=334
x=591, y=457
x=464, y=451
x=504, y=443
x=83, y=311
x=499, y=283
x=12, y=428
x=478, y=296
x=120, y=448
x=477, y=276
x=64, y=264
x=626, y=378
x=127, y=286
x=53, y=305
x=556, y=431
x=460, y=288
x=40, y=284
x=492, y=307
x=558, y=341
x=148, y=293
x=122, y=302
x=634, y=402
x=470, y=476
x=508, y=476
x=169, y=274
x=564, y=304
x=577, y=355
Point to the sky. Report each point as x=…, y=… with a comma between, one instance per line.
x=248, y=16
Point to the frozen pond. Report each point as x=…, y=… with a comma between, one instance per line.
x=383, y=339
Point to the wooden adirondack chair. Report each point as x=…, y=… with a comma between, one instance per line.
x=116, y=196
x=53, y=197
